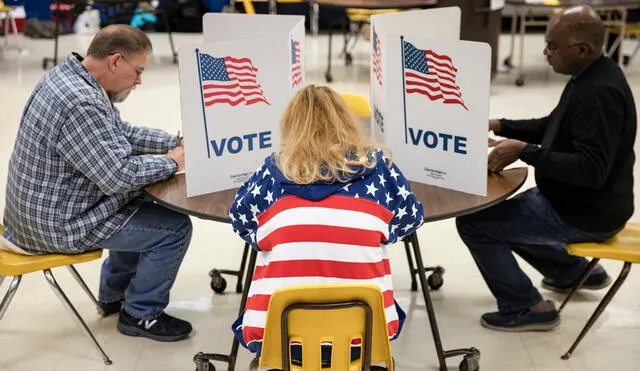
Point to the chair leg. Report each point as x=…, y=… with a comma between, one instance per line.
x=13, y=287
x=1, y=280
x=601, y=307
x=580, y=282
x=82, y=284
x=65, y=300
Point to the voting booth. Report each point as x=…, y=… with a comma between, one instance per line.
x=234, y=88
x=430, y=97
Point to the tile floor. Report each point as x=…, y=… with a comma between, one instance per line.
x=38, y=334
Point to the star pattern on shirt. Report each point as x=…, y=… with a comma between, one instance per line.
x=384, y=185
x=394, y=174
x=382, y=179
x=403, y=192
x=371, y=189
x=256, y=190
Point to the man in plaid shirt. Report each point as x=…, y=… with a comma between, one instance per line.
x=75, y=180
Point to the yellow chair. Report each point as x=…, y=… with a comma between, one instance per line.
x=625, y=246
x=345, y=312
x=15, y=265
x=250, y=9
x=358, y=104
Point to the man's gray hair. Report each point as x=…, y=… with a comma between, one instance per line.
x=121, y=39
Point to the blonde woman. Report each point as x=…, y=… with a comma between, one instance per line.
x=321, y=210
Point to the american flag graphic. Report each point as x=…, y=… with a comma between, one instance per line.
x=325, y=238
x=229, y=80
x=432, y=75
x=377, y=57
x=296, y=66
x=378, y=117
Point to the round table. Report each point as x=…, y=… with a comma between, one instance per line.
x=439, y=203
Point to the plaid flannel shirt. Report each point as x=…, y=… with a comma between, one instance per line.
x=77, y=170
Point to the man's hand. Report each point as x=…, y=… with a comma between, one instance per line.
x=504, y=153
x=178, y=155
x=494, y=125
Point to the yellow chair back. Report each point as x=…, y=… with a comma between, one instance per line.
x=358, y=104
x=317, y=314
x=248, y=7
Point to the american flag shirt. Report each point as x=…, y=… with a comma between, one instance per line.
x=321, y=233
x=76, y=172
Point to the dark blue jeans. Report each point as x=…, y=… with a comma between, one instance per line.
x=144, y=258
x=528, y=225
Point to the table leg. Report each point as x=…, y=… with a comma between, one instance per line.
x=56, y=34
x=623, y=30
x=314, y=15
x=471, y=355
x=174, y=55
x=412, y=269
x=202, y=359
x=508, y=62
x=523, y=21
x=327, y=75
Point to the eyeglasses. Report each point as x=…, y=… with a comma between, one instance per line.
x=139, y=71
x=552, y=47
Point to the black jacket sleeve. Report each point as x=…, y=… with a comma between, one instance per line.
x=530, y=131
x=596, y=128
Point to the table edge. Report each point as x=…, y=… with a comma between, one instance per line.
x=426, y=219
x=472, y=210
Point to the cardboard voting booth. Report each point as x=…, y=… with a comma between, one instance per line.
x=234, y=88
x=430, y=97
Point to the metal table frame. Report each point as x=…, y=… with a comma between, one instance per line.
x=523, y=12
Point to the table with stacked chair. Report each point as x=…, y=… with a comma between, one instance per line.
x=58, y=11
x=613, y=11
x=358, y=12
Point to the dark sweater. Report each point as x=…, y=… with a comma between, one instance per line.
x=583, y=151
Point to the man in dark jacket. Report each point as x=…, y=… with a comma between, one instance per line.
x=583, y=158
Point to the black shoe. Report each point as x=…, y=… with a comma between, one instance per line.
x=107, y=309
x=162, y=328
x=522, y=321
x=255, y=364
x=597, y=280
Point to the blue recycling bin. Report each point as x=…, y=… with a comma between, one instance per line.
x=216, y=5
x=34, y=8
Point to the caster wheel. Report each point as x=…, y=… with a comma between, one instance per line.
x=435, y=281
x=348, y=59
x=470, y=362
x=328, y=77
x=206, y=367
x=218, y=283
x=414, y=286
x=520, y=81
x=507, y=62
